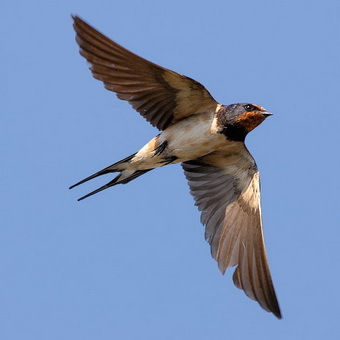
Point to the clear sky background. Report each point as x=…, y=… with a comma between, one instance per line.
x=131, y=262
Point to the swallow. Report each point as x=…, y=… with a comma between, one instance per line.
x=208, y=139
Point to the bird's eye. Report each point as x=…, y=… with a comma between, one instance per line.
x=249, y=107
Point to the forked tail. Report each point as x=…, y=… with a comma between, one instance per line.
x=124, y=176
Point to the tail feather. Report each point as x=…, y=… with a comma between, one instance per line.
x=108, y=185
x=107, y=170
x=116, y=181
x=125, y=176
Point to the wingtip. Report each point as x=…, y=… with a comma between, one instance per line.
x=77, y=21
x=74, y=17
x=278, y=314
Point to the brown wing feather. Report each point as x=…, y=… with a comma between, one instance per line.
x=225, y=185
x=158, y=94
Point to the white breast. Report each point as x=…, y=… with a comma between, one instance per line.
x=188, y=139
x=193, y=137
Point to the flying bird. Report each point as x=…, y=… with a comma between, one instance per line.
x=207, y=138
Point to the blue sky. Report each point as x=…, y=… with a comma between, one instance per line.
x=131, y=262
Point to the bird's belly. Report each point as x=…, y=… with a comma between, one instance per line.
x=188, y=139
x=194, y=143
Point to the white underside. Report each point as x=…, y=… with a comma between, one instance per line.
x=188, y=139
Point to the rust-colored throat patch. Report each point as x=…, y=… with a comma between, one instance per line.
x=250, y=120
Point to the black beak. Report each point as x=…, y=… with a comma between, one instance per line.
x=266, y=114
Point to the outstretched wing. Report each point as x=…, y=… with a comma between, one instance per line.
x=158, y=94
x=226, y=188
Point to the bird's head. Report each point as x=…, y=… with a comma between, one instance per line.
x=239, y=119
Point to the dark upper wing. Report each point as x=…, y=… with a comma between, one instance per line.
x=158, y=94
x=226, y=188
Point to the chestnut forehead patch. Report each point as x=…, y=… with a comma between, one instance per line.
x=250, y=120
x=260, y=108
